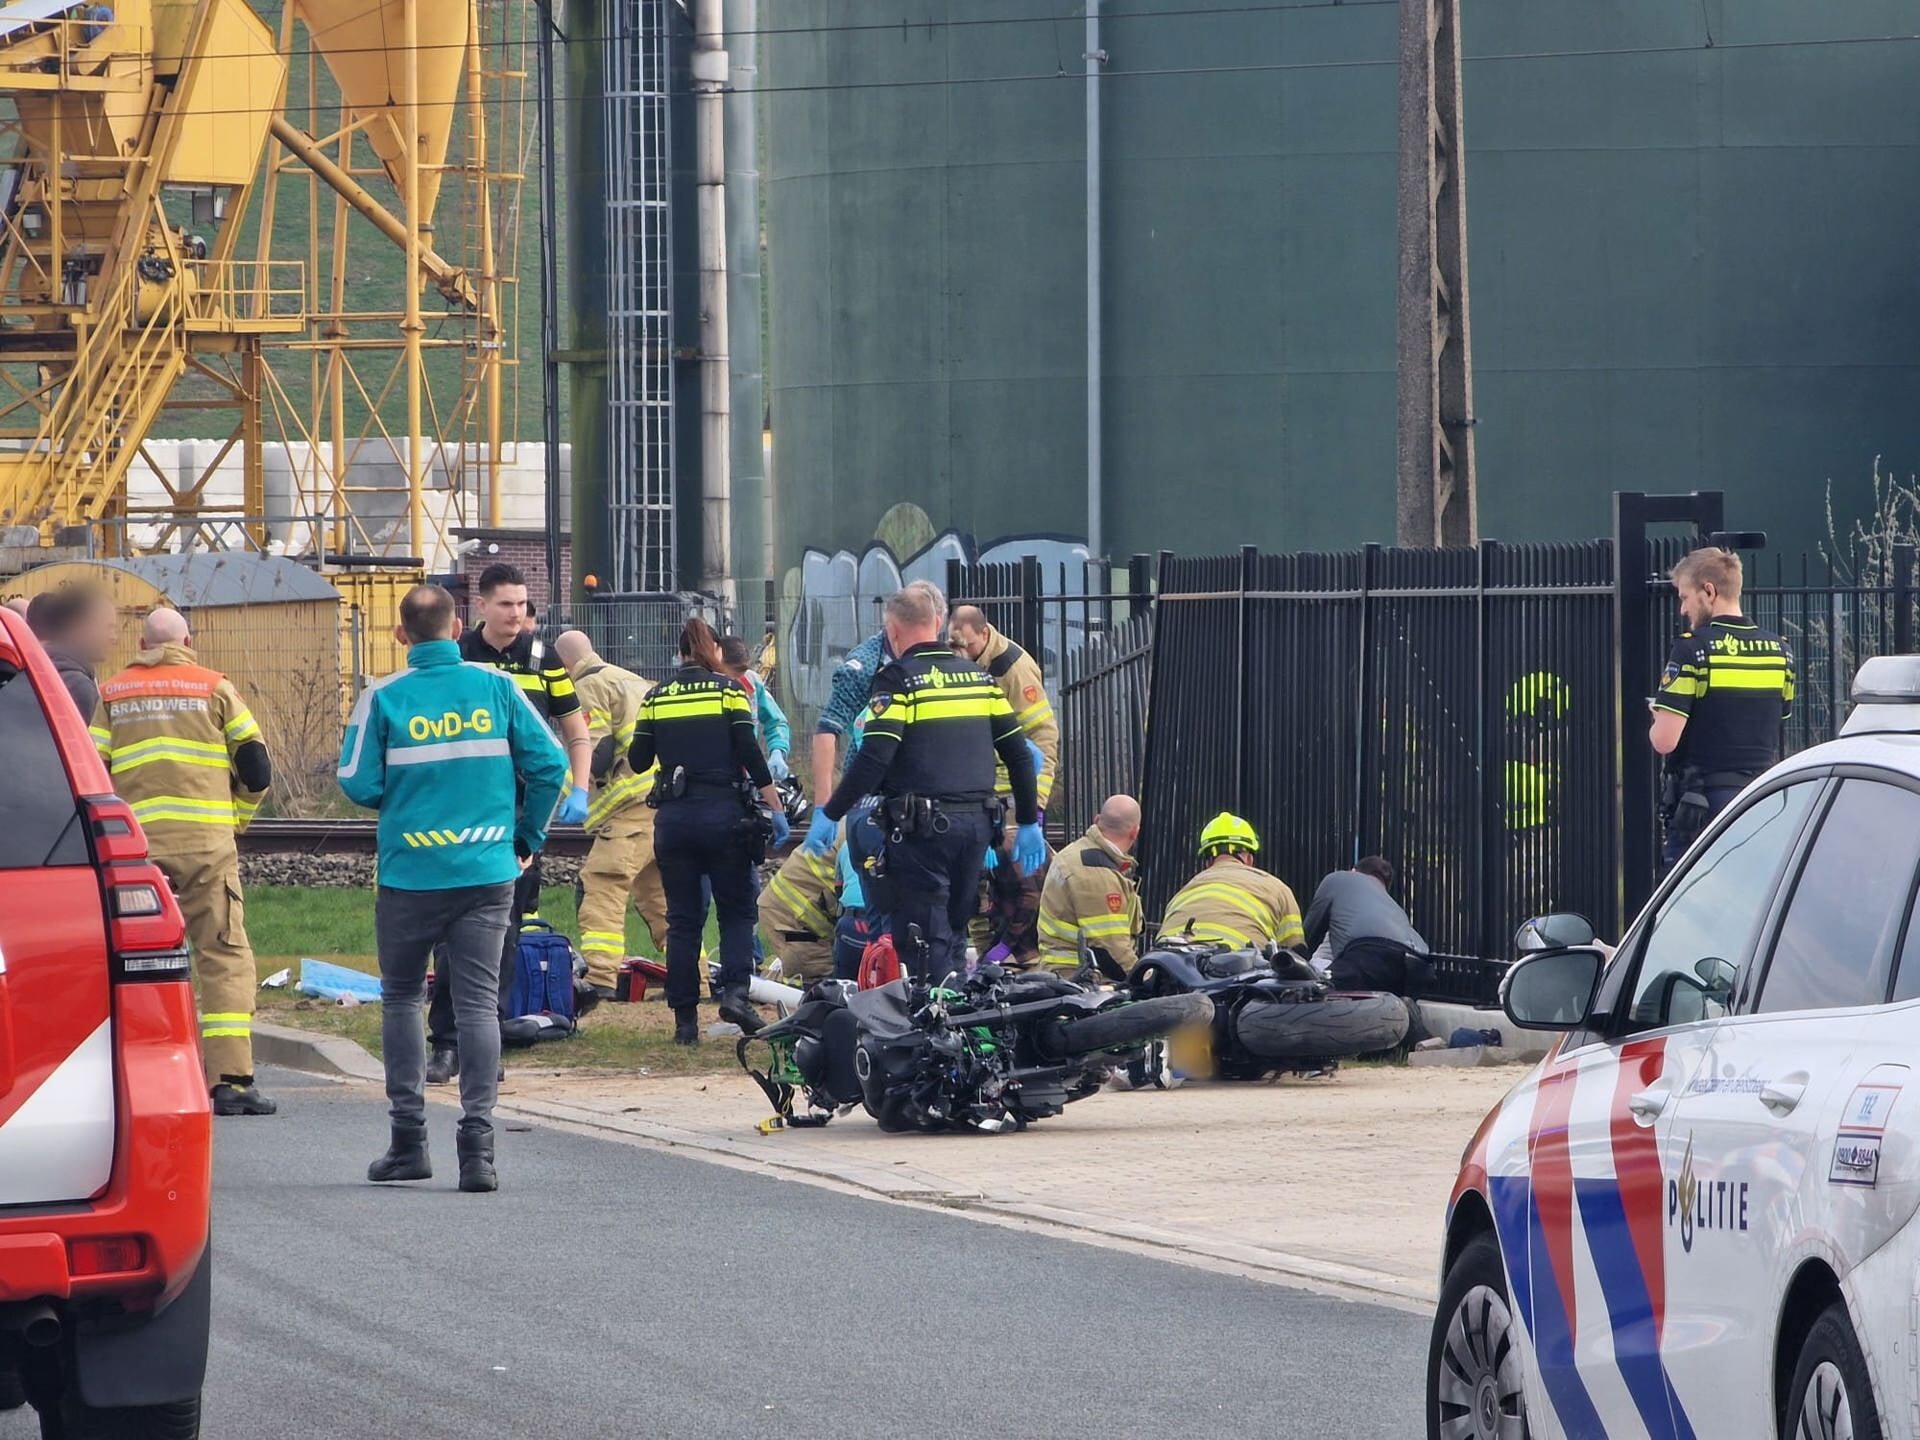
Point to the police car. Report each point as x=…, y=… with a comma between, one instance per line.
x=1696, y=1217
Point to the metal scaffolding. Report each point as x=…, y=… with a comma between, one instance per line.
x=640, y=449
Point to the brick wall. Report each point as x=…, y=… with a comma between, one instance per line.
x=525, y=549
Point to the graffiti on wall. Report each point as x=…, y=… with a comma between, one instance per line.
x=835, y=599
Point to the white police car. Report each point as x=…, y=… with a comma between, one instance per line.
x=1696, y=1217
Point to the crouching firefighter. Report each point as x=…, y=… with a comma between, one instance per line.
x=698, y=727
x=928, y=752
x=1090, y=904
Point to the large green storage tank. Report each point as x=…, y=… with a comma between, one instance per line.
x=1691, y=263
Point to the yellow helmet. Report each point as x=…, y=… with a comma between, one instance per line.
x=1227, y=831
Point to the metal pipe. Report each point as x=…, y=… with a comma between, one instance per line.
x=1095, y=58
x=412, y=327
x=40, y=1326
x=549, y=300
x=489, y=290
x=716, y=407
x=753, y=548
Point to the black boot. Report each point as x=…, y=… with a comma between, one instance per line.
x=442, y=1065
x=236, y=1095
x=735, y=1007
x=476, y=1163
x=686, y=1026
x=406, y=1157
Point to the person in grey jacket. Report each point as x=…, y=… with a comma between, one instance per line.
x=1367, y=934
x=79, y=625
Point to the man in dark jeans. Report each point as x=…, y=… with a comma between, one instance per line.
x=1373, y=944
x=505, y=639
x=440, y=750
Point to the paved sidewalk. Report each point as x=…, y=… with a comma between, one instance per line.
x=1258, y=1177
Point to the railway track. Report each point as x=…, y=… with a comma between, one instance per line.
x=357, y=837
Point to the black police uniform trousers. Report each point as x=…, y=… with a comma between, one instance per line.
x=933, y=885
x=441, y=1031
x=1674, y=839
x=699, y=843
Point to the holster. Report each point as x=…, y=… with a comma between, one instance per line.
x=756, y=825
x=1684, y=805
x=911, y=817
x=668, y=786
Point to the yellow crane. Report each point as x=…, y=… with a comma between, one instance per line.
x=142, y=130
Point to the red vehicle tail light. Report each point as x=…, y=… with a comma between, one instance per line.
x=145, y=933
x=116, y=834
x=106, y=1255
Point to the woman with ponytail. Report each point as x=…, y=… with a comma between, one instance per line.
x=698, y=728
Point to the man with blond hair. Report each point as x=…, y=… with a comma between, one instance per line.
x=1724, y=694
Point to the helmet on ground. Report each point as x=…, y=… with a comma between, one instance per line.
x=1227, y=832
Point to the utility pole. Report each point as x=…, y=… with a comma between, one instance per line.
x=716, y=403
x=1438, y=503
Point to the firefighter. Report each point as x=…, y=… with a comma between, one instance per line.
x=1230, y=902
x=185, y=753
x=800, y=910
x=1019, y=677
x=505, y=639
x=928, y=751
x=698, y=727
x=1724, y=697
x=621, y=864
x=1090, y=898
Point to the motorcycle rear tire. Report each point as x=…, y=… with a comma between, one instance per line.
x=1329, y=1029
x=1124, y=1026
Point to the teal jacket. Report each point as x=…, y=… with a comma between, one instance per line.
x=437, y=749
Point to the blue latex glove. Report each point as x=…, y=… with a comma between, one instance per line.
x=573, y=809
x=820, y=834
x=777, y=765
x=1029, y=849
x=782, y=828
x=992, y=862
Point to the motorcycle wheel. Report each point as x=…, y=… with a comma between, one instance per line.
x=1326, y=1029
x=1122, y=1026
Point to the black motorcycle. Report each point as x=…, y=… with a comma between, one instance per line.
x=1000, y=1051
x=1272, y=1012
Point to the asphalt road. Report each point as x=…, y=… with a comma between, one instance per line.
x=613, y=1290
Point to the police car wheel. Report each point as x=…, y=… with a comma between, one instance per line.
x=1831, y=1397
x=1473, y=1361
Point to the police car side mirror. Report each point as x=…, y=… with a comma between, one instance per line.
x=1553, y=989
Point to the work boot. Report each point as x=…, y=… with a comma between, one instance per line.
x=442, y=1065
x=587, y=999
x=476, y=1163
x=735, y=1006
x=239, y=1097
x=686, y=1026
x=406, y=1157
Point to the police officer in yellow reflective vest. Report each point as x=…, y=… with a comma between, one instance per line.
x=800, y=910
x=1231, y=902
x=1090, y=898
x=621, y=864
x=186, y=754
x=928, y=751
x=1724, y=697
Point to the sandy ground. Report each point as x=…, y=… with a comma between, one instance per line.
x=1343, y=1179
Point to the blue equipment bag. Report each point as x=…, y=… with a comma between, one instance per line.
x=542, y=975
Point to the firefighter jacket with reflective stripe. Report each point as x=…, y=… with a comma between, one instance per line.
x=1234, y=904
x=612, y=698
x=937, y=724
x=169, y=729
x=1090, y=896
x=803, y=896
x=1019, y=678
x=436, y=749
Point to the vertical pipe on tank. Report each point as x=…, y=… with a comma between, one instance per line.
x=587, y=289
x=752, y=498
x=1095, y=58
x=549, y=303
x=489, y=286
x=411, y=325
x=716, y=409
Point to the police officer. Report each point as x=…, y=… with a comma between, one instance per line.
x=928, y=751
x=505, y=638
x=1724, y=694
x=1231, y=902
x=698, y=727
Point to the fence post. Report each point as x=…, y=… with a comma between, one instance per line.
x=357, y=642
x=1139, y=584
x=1903, y=558
x=1247, y=552
x=1034, y=638
x=956, y=582
x=1364, y=709
x=1485, y=798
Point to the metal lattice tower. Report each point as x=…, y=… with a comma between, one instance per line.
x=640, y=468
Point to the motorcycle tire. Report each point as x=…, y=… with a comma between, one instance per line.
x=1329, y=1029
x=1124, y=1026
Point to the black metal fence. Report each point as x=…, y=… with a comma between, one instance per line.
x=1103, y=722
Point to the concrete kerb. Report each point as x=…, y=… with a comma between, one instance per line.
x=900, y=1184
